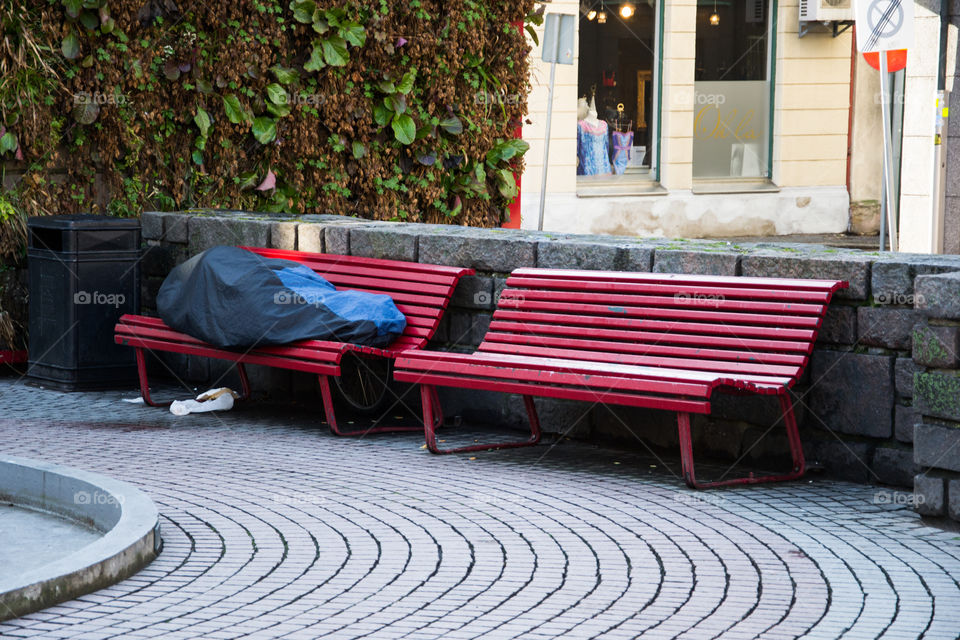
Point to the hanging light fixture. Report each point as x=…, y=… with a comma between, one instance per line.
x=602, y=16
x=627, y=10
x=715, y=17
x=592, y=14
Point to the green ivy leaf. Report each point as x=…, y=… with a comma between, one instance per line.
x=522, y=146
x=533, y=35
x=335, y=51
x=406, y=83
x=507, y=184
x=73, y=8
x=303, y=10
x=108, y=25
x=204, y=85
x=404, y=128
x=359, y=149
x=202, y=120
x=315, y=63
x=264, y=129
x=8, y=142
x=70, y=46
x=424, y=131
x=320, y=25
x=278, y=110
x=234, y=110
x=382, y=115
x=335, y=16
x=397, y=103
x=247, y=180
x=353, y=33
x=197, y=157
x=284, y=75
x=387, y=86
x=452, y=125
x=90, y=20
x=277, y=94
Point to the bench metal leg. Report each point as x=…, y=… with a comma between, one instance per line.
x=331, y=415
x=793, y=437
x=244, y=382
x=145, y=383
x=433, y=417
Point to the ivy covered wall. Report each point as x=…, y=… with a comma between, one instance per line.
x=385, y=109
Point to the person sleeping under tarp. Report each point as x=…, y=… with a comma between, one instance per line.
x=233, y=298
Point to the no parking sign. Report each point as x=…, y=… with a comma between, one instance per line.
x=884, y=25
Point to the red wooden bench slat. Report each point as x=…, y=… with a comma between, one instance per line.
x=674, y=279
x=714, y=366
x=340, y=268
x=718, y=304
x=155, y=328
x=383, y=285
x=400, y=297
x=647, y=349
x=325, y=368
x=489, y=384
x=322, y=352
x=657, y=325
x=330, y=258
x=504, y=326
x=516, y=300
x=434, y=361
x=557, y=377
x=417, y=310
x=668, y=289
x=334, y=272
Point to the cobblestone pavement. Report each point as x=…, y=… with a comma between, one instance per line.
x=275, y=528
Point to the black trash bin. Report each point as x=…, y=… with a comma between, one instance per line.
x=84, y=273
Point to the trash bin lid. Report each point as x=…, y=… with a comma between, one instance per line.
x=84, y=221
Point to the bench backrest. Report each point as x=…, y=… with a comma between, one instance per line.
x=420, y=291
x=762, y=329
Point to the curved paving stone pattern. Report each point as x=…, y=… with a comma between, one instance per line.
x=274, y=528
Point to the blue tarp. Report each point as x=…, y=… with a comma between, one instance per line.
x=234, y=298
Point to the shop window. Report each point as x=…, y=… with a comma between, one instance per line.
x=732, y=98
x=617, y=87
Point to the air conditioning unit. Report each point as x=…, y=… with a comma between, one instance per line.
x=825, y=10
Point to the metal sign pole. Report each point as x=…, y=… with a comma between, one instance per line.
x=887, y=153
x=883, y=209
x=546, y=141
x=551, y=40
x=558, y=47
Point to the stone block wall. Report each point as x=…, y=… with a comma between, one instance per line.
x=879, y=402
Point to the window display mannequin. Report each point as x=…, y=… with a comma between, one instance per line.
x=622, y=141
x=593, y=145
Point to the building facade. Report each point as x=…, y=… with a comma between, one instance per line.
x=711, y=118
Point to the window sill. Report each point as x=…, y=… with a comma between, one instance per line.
x=734, y=185
x=603, y=187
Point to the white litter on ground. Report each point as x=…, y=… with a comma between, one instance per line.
x=213, y=400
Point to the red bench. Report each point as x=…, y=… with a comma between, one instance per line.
x=660, y=341
x=420, y=291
